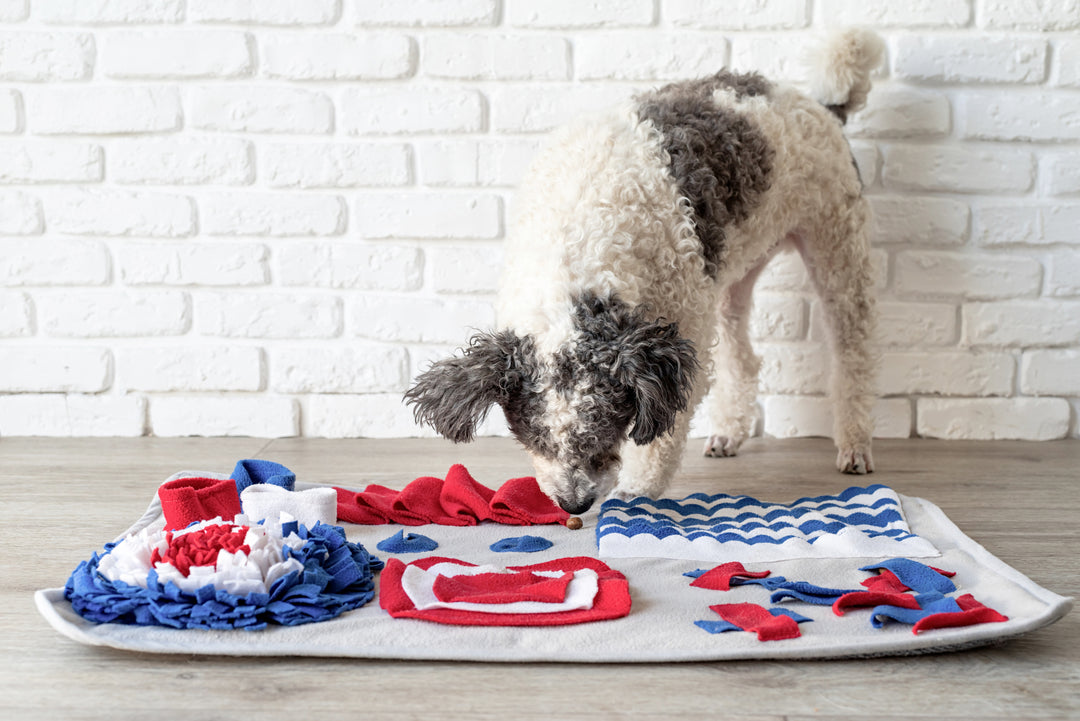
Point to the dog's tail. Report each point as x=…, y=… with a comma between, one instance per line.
x=840, y=75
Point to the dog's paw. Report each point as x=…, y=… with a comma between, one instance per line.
x=717, y=446
x=621, y=494
x=855, y=462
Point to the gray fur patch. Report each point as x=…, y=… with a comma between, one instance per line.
x=630, y=369
x=719, y=160
x=454, y=395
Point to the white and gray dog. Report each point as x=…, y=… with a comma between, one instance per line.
x=638, y=239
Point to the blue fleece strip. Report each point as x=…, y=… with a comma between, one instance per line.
x=929, y=604
x=809, y=593
x=919, y=577
x=717, y=626
x=797, y=617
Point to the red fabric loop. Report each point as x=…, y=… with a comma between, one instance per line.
x=187, y=500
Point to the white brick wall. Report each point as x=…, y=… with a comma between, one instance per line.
x=263, y=217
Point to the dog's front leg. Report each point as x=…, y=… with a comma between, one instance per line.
x=647, y=470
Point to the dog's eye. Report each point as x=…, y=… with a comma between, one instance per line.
x=603, y=460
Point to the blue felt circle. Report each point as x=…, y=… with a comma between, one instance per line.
x=521, y=544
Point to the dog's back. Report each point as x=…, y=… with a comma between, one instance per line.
x=682, y=191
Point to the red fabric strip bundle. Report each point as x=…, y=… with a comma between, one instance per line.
x=459, y=500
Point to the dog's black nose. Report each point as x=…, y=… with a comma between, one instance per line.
x=576, y=507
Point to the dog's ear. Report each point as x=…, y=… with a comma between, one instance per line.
x=658, y=367
x=453, y=396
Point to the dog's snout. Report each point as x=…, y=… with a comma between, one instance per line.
x=576, y=506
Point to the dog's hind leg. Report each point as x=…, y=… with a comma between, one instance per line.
x=837, y=257
x=731, y=404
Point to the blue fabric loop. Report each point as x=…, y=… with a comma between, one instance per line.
x=250, y=471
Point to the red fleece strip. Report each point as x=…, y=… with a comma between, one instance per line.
x=972, y=612
x=885, y=582
x=502, y=588
x=187, y=500
x=752, y=617
x=719, y=578
x=864, y=599
x=612, y=599
x=457, y=501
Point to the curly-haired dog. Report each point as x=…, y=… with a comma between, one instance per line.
x=638, y=239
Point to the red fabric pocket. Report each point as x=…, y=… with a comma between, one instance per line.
x=612, y=597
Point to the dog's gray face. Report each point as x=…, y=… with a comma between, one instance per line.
x=619, y=376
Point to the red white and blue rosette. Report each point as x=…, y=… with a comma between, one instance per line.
x=219, y=574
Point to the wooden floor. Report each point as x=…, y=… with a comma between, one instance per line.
x=63, y=498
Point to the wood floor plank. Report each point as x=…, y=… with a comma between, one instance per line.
x=64, y=498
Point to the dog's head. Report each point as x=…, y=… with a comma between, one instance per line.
x=619, y=376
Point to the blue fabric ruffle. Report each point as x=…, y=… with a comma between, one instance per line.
x=337, y=577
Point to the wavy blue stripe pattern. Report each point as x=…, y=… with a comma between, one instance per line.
x=873, y=511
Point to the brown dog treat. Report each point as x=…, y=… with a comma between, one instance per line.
x=573, y=523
